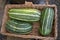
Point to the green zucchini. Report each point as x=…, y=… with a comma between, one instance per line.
x=25, y=14
x=46, y=21
x=18, y=27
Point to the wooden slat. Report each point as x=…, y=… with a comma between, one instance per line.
x=15, y=38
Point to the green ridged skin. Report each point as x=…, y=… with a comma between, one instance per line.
x=25, y=14
x=18, y=27
x=46, y=21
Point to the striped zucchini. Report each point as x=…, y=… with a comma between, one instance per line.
x=46, y=21
x=18, y=27
x=25, y=14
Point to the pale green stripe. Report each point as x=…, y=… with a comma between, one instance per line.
x=19, y=28
x=24, y=14
x=47, y=19
x=26, y=10
x=23, y=19
x=44, y=20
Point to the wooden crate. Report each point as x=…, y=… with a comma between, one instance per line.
x=34, y=34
